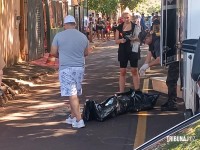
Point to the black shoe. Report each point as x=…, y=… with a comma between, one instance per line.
x=169, y=106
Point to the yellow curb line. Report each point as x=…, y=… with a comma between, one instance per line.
x=142, y=122
x=141, y=130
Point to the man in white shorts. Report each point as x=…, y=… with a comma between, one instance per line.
x=71, y=46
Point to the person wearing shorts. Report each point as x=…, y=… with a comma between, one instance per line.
x=71, y=46
x=124, y=37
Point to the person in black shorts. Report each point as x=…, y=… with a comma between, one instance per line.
x=124, y=37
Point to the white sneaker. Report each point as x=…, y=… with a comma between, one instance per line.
x=79, y=124
x=70, y=120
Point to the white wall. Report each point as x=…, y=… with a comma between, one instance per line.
x=193, y=23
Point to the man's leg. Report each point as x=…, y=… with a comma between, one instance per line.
x=172, y=78
x=75, y=107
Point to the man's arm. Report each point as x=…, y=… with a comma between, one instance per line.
x=54, y=51
x=155, y=62
x=157, y=53
x=88, y=50
x=148, y=57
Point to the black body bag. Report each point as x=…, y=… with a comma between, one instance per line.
x=196, y=64
x=121, y=103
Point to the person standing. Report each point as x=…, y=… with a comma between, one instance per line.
x=153, y=41
x=90, y=28
x=124, y=37
x=151, y=20
x=114, y=28
x=142, y=23
x=71, y=46
x=108, y=28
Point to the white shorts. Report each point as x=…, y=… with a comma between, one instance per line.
x=71, y=81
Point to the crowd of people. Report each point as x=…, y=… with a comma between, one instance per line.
x=101, y=27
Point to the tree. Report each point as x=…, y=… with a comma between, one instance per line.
x=103, y=6
x=131, y=4
x=110, y=6
x=148, y=7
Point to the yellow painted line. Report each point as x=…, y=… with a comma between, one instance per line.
x=141, y=130
x=145, y=85
x=142, y=122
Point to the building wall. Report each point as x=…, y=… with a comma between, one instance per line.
x=193, y=19
x=9, y=29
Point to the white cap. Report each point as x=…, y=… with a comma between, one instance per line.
x=69, y=19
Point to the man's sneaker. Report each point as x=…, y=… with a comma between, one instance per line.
x=169, y=106
x=70, y=120
x=79, y=124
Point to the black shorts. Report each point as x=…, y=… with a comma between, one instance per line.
x=131, y=57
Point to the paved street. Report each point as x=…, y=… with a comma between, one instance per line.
x=36, y=121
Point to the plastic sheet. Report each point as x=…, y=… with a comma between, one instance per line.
x=131, y=101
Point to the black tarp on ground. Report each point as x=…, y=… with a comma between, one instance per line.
x=121, y=103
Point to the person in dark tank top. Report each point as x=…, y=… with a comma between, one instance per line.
x=124, y=37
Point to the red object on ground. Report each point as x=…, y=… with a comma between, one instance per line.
x=51, y=60
x=47, y=61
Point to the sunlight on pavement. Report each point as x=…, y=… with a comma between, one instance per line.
x=17, y=116
x=31, y=84
x=45, y=105
x=45, y=91
x=58, y=133
x=47, y=133
x=22, y=125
